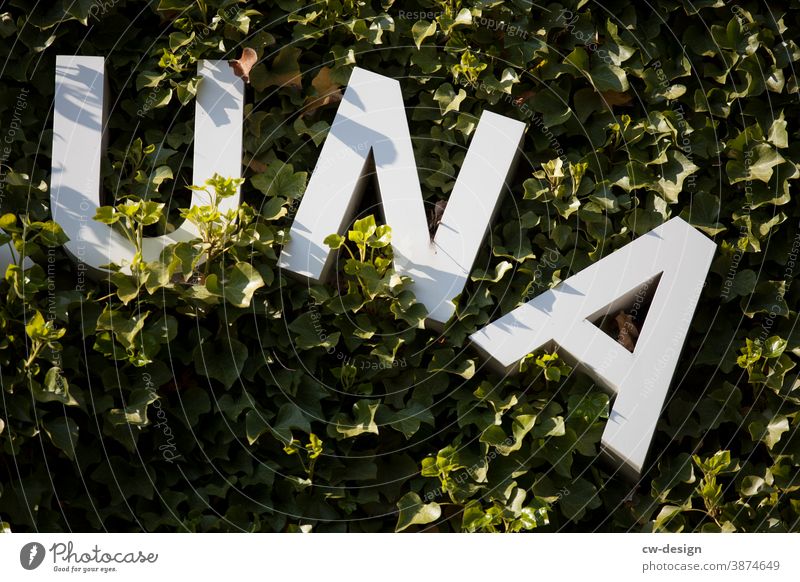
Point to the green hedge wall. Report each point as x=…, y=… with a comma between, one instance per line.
x=164, y=403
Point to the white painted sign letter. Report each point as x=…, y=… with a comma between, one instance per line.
x=674, y=258
x=78, y=126
x=370, y=125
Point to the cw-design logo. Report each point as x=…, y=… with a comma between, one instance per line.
x=31, y=555
x=662, y=271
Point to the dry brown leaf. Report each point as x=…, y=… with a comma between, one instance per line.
x=327, y=91
x=243, y=65
x=520, y=99
x=436, y=215
x=628, y=332
x=256, y=166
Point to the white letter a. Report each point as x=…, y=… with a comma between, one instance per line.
x=674, y=258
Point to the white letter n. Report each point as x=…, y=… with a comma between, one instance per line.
x=372, y=118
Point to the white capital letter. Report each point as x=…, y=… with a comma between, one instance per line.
x=674, y=258
x=78, y=128
x=372, y=118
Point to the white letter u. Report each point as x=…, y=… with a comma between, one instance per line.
x=78, y=142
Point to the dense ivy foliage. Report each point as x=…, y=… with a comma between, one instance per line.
x=224, y=395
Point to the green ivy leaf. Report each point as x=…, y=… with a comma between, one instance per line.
x=54, y=389
x=223, y=360
x=63, y=433
x=757, y=164
x=581, y=498
x=241, y=283
x=447, y=98
x=608, y=77
x=413, y=512
x=363, y=420
x=769, y=430
x=280, y=179
x=421, y=30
